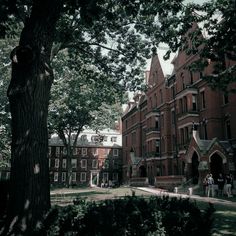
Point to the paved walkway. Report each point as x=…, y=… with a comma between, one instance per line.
x=161, y=192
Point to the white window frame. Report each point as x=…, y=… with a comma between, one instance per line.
x=64, y=151
x=64, y=163
x=84, y=163
x=55, y=176
x=94, y=163
x=57, y=151
x=84, y=151
x=83, y=177
x=57, y=163
x=112, y=139
x=73, y=177
x=95, y=151
x=73, y=163
x=63, y=177
x=105, y=177
x=115, y=152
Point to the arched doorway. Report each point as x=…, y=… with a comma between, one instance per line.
x=216, y=165
x=142, y=171
x=195, y=163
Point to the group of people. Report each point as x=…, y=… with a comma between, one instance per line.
x=222, y=185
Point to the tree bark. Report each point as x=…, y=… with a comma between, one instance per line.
x=28, y=94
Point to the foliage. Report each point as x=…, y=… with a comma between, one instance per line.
x=133, y=216
x=81, y=97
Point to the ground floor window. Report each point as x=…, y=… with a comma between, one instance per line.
x=83, y=177
x=63, y=176
x=73, y=176
x=115, y=176
x=55, y=176
x=105, y=177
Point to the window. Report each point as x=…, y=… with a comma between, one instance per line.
x=83, y=137
x=161, y=95
x=157, y=122
x=126, y=140
x=49, y=162
x=75, y=151
x=55, y=176
x=113, y=139
x=173, y=92
x=49, y=151
x=157, y=146
x=8, y=175
x=186, y=133
x=194, y=102
x=182, y=80
x=162, y=120
x=182, y=136
x=203, y=102
x=185, y=108
x=63, y=176
x=57, y=151
x=105, y=138
x=191, y=77
x=83, y=176
x=105, y=177
x=84, y=163
x=228, y=129
x=73, y=163
x=180, y=106
x=73, y=177
x=106, y=164
x=95, y=164
x=63, y=163
x=64, y=151
x=226, y=98
x=84, y=151
x=95, y=138
x=126, y=124
x=115, y=152
x=173, y=117
x=133, y=136
x=95, y=151
x=115, y=176
x=57, y=163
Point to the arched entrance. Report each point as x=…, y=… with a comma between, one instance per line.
x=142, y=171
x=195, y=164
x=216, y=165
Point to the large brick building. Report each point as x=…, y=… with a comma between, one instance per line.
x=180, y=126
x=92, y=162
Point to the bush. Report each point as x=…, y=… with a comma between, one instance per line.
x=131, y=216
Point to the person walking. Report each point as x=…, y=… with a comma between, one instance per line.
x=228, y=181
x=210, y=189
x=220, y=182
x=205, y=185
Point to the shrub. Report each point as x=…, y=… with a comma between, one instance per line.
x=132, y=216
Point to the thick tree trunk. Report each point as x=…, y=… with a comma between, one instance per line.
x=29, y=97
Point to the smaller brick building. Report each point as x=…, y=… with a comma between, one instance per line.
x=92, y=162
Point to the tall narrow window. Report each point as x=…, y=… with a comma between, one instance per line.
x=161, y=95
x=203, y=102
x=55, y=176
x=57, y=163
x=194, y=102
x=73, y=176
x=226, y=98
x=185, y=104
x=228, y=129
x=157, y=146
x=63, y=176
x=191, y=77
x=74, y=163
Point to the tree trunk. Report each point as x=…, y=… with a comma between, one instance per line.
x=28, y=94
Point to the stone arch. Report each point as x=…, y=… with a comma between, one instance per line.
x=217, y=160
x=224, y=159
x=191, y=153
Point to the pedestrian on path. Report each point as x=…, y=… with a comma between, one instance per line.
x=210, y=182
x=229, y=181
x=221, y=183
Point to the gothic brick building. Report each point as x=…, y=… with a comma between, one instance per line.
x=180, y=126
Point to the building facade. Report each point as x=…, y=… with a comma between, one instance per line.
x=180, y=126
x=96, y=159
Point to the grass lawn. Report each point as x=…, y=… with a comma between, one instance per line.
x=225, y=214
